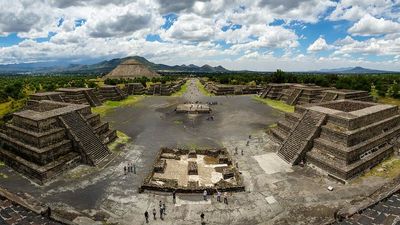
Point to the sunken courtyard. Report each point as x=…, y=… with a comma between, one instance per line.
x=309, y=166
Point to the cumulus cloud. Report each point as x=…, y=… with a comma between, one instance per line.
x=369, y=25
x=319, y=45
x=354, y=10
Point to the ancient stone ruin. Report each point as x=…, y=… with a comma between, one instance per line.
x=193, y=108
x=134, y=89
x=130, y=69
x=165, y=89
x=111, y=93
x=223, y=89
x=342, y=137
x=49, y=137
x=294, y=94
x=185, y=170
x=81, y=96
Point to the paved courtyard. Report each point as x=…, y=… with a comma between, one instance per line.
x=275, y=192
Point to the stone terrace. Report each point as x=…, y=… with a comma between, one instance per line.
x=343, y=137
x=50, y=137
x=81, y=96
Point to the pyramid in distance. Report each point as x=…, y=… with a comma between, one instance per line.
x=131, y=69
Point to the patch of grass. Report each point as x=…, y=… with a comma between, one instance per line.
x=2, y=163
x=4, y=176
x=389, y=168
x=210, y=160
x=202, y=89
x=109, y=106
x=80, y=172
x=390, y=101
x=273, y=125
x=279, y=105
x=122, y=139
x=11, y=107
x=182, y=90
x=178, y=122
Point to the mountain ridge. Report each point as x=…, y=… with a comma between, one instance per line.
x=104, y=67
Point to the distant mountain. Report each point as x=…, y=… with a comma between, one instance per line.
x=351, y=70
x=102, y=67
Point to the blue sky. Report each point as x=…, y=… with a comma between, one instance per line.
x=295, y=35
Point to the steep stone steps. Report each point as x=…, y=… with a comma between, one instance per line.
x=265, y=92
x=92, y=98
x=329, y=97
x=292, y=99
x=90, y=144
x=297, y=143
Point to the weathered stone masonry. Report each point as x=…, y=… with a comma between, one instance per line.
x=50, y=137
x=342, y=137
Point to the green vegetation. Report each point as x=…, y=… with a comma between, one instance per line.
x=202, y=89
x=143, y=80
x=109, y=106
x=275, y=104
x=122, y=139
x=389, y=168
x=182, y=90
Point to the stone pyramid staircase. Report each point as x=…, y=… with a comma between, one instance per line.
x=89, y=143
x=294, y=97
x=56, y=98
x=301, y=136
x=92, y=98
x=329, y=97
x=265, y=92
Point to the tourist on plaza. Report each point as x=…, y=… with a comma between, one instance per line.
x=154, y=213
x=205, y=195
x=161, y=213
x=134, y=169
x=202, y=217
x=125, y=170
x=242, y=151
x=218, y=196
x=164, y=209
x=225, y=198
x=236, y=150
x=174, y=196
x=146, y=215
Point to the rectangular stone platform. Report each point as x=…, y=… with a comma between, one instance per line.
x=350, y=137
x=50, y=137
x=193, y=108
x=188, y=174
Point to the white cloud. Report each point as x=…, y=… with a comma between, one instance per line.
x=355, y=9
x=319, y=45
x=369, y=25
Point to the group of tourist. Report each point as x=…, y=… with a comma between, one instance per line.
x=162, y=212
x=205, y=194
x=130, y=168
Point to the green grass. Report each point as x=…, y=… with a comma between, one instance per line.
x=279, y=105
x=182, y=90
x=390, y=101
x=202, y=89
x=389, y=168
x=110, y=106
x=122, y=139
x=11, y=107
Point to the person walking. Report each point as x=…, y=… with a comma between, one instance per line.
x=202, y=217
x=134, y=169
x=218, y=196
x=146, y=215
x=225, y=198
x=161, y=213
x=174, y=196
x=164, y=209
x=154, y=213
x=125, y=170
x=205, y=195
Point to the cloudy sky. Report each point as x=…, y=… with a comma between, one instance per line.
x=294, y=35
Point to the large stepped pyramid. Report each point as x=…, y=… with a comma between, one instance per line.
x=49, y=137
x=298, y=141
x=342, y=137
x=89, y=143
